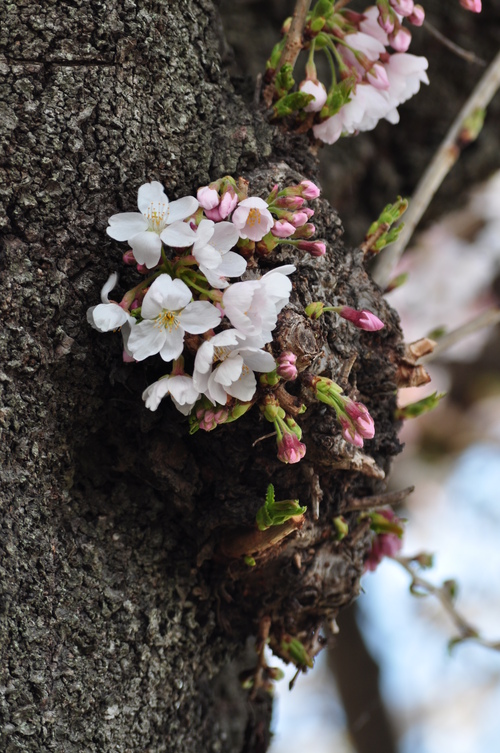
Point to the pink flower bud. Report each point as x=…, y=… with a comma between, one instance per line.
x=350, y=434
x=142, y=269
x=417, y=18
x=282, y=229
x=306, y=231
x=403, y=7
x=362, y=319
x=228, y=202
x=384, y=544
x=299, y=218
x=290, y=449
x=310, y=190
x=214, y=214
x=286, y=366
x=473, y=5
x=128, y=258
x=400, y=39
x=317, y=90
x=386, y=18
x=127, y=358
x=309, y=212
x=208, y=197
x=289, y=202
x=315, y=248
x=377, y=77
x=361, y=419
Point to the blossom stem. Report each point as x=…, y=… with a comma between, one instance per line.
x=331, y=63
x=292, y=48
x=187, y=276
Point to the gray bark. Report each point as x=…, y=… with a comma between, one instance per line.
x=113, y=627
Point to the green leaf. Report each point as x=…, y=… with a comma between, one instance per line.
x=413, y=410
x=284, y=80
x=294, y=650
x=274, y=513
x=291, y=103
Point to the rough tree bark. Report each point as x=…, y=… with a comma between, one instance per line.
x=122, y=595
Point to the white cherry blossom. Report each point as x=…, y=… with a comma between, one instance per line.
x=143, y=229
x=253, y=306
x=181, y=389
x=253, y=218
x=167, y=313
x=236, y=360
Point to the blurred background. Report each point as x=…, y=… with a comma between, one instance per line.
x=389, y=684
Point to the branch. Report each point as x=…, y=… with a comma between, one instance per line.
x=486, y=319
x=444, y=593
x=441, y=164
x=378, y=500
x=293, y=46
x=467, y=55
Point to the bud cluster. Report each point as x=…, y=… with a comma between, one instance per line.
x=372, y=72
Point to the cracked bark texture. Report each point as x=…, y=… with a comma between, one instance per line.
x=120, y=604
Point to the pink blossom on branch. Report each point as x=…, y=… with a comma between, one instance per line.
x=252, y=218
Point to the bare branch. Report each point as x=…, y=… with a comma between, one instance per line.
x=486, y=319
x=441, y=164
x=467, y=55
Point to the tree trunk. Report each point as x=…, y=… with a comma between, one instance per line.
x=124, y=592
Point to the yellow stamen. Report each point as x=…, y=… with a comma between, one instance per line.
x=167, y=319
x=156, y=215
x=254, y=217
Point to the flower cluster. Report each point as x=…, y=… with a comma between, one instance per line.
x=372, y=72
x=213, y=329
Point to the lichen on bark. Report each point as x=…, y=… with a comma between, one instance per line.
x=112, y=624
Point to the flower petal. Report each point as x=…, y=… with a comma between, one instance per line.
x=199, y=317
x=165, y=293
x=232, y=265
x=107, y=316
x=258, y=360
x=151, y=193
x=225, y=236
x=145, y=340
x=181, y=209
x=108, y=287
x=154, y=394
x=208, y=256
x=244, y=388
x=147, y=248
x=125, y=225
x=229, y=371
x=182, y=388
x=174, y=343
x=178, y=235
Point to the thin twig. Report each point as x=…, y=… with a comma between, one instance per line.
x=378, y=500
x=486, y=319
x=467, y=55
x=293, y=46
x=442, y=593
x=441, y=164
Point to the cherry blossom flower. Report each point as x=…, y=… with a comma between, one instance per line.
x=253, y=306
x=143, y=229
x=237, y=360
x=167, y=313
x=108, y=315
x=253, y=218
x=181, y=389
x=318, y=91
